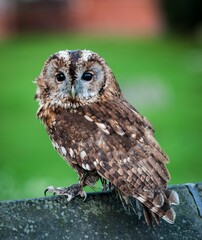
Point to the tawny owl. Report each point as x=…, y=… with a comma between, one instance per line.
x=101, y=135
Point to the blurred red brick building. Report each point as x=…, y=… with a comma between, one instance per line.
x=7, y=18
x=117, y=16
x=133, y=17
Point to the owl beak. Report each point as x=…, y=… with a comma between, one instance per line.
x=73, y=93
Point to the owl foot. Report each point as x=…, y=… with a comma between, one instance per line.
x=71, y=191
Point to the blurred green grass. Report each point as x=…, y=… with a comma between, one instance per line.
x=28, y=162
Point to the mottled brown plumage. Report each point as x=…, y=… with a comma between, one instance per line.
x=100, y=134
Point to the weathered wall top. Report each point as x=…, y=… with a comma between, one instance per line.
x=100, y=216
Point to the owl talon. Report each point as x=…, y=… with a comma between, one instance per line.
x=48, y=189
x=71, y=191
x=83, y=194
x=54, y=190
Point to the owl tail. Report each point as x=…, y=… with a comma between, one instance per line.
x=160, y=207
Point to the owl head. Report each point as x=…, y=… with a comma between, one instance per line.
x=74, y=78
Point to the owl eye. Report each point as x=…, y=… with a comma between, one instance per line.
x=87, y=76
x=60, y=77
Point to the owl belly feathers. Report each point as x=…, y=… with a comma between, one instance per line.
x=100, y=134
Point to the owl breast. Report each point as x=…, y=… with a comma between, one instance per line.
x=72, y=135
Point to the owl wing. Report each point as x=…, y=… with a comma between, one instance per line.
x=126, y=153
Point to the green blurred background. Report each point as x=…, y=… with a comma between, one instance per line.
x=160, y=75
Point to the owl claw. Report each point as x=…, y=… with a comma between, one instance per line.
x=83, y=194
x=71, y=191
x=48, y=189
